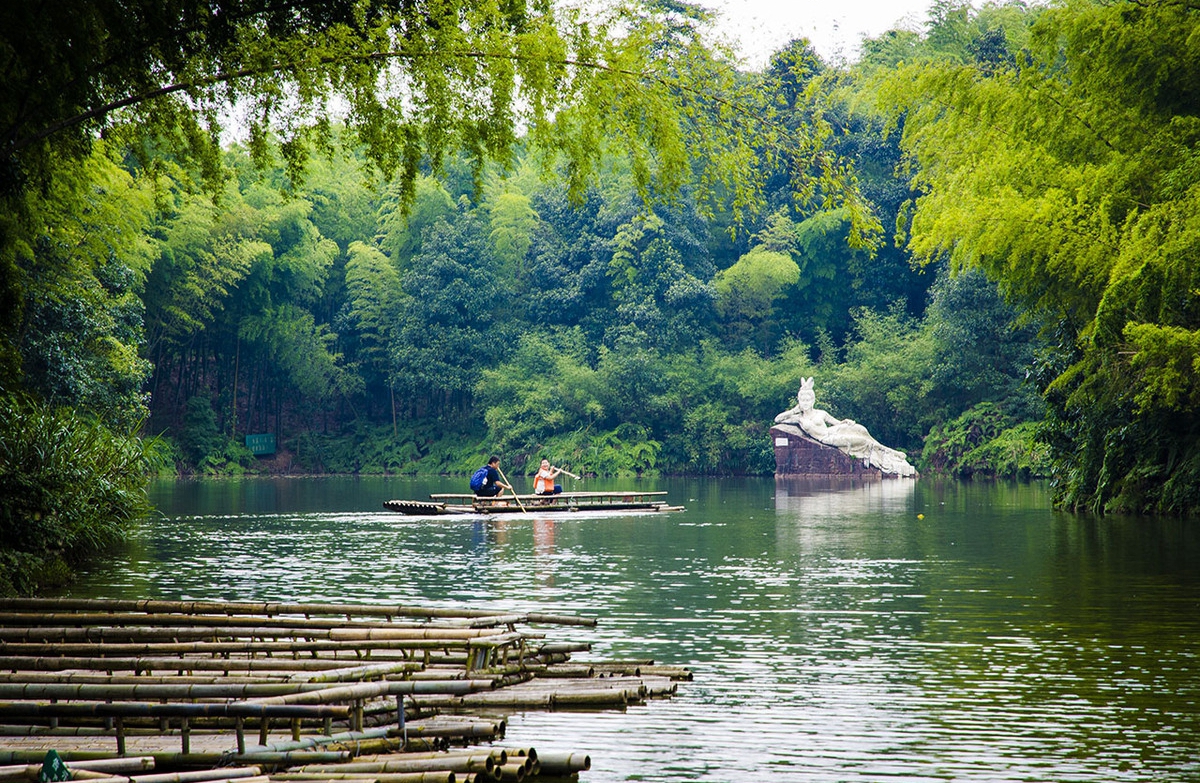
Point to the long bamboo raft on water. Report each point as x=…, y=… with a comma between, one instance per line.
x=452, y=503
x=174, y=691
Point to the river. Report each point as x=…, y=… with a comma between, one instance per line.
x=889, y=630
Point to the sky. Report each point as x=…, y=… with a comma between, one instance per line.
x=835, y=27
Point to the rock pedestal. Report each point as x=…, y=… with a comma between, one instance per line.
x=796, y=454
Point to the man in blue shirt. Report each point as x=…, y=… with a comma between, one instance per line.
x=492, y=485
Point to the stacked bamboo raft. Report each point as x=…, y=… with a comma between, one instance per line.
x=335, y=692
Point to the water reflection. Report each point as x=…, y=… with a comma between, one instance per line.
x=839, y=498
x=889, y=629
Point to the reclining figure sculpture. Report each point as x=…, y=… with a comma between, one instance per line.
x=847, y=435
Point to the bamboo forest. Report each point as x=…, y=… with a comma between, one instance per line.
x=397, y=236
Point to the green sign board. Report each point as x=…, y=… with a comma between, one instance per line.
x=260, y=445
x=53, y=768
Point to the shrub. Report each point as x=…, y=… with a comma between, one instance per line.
x=199, y=437
x=985, y=441
x=69, y=488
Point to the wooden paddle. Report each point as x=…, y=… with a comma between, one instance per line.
x=569, y=473
x=510, y=486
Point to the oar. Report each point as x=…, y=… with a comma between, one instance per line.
x=510, y=486
x=569, y=473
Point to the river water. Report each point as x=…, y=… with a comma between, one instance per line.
x=870, y=632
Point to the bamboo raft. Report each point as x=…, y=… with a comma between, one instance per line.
x=173, y=691
x=439, y=504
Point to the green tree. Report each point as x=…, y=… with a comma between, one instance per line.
x=748, y=290
x=80, y=267
x=373, y=294
x=985, y=350
x=402, y=225
x=448, y=325
x=659, y=301
x=1079, y=155
x=512, y=221
x=202, y=257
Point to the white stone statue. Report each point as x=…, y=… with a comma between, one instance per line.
x=845, y=434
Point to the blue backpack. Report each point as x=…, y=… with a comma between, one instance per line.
x=479, y=477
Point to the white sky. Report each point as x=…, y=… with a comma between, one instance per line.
x=835, y=27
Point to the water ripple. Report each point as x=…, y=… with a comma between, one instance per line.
x=834, y=635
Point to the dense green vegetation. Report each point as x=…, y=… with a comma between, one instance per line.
x=595, y=239
x=68, y=487
x=1078, y=142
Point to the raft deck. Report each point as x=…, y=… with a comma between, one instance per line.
x=539, y=504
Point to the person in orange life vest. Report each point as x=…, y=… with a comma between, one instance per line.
x=543, y=482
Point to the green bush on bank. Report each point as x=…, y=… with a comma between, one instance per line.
x=69, y=489
x=985, y=442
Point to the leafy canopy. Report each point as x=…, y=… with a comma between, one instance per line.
x=1068, y=174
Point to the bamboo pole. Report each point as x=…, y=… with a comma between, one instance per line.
x=474, y=729
x=514, y=772
x=433, y=678
x=311, y=742
x=211, y=776
x=197, y=776
x=233, y=607
x=127, y=764
x=498, y=755
x=521, y=753
x=515, y=495
x=219, y=778
x=149, y=649
x=558, y=619
x=545, y=699
x=383, y=777
x=101, y=622
x=25, y=757
x=260, y=758
x=107, y=634
x=46, y=731
x=103, y=619
x=157, y=710
x=147, y=664
x=476, y=763
x=554, y=671
x=139, y=692
x=354, y=673
x=374, y=689
x=567, y=647
x=96, y=769
x=75, y=677
x=560, y=763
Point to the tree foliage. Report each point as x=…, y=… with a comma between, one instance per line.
x=68, y=487
x=1067, y=174
x=383, y=275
